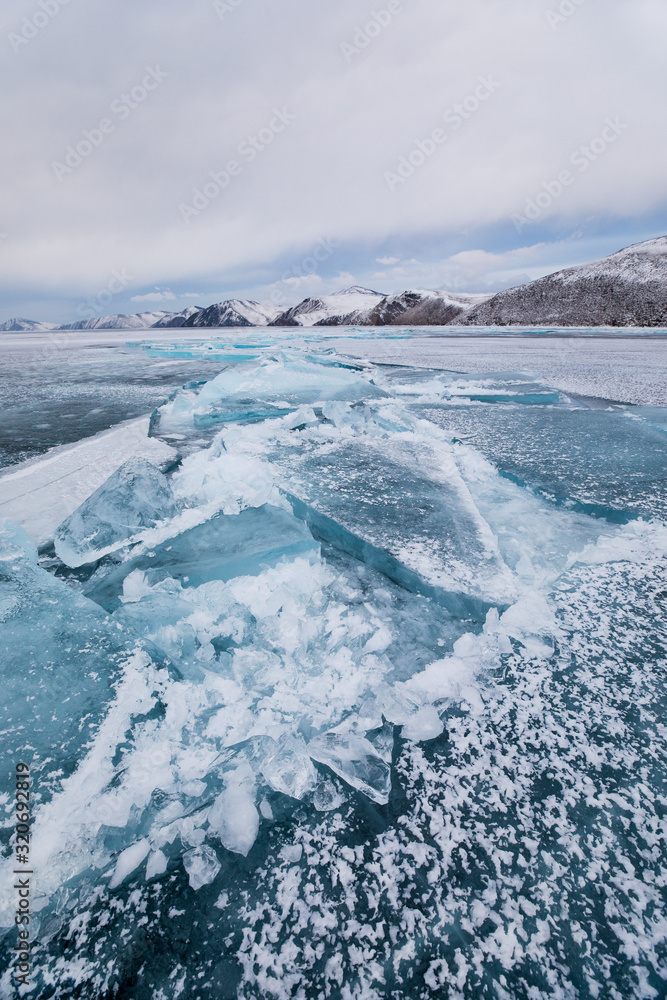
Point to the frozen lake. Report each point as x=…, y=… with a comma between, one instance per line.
x=346, y=666
x=56, y=390
x=54, y=393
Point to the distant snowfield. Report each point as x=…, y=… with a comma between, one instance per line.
x=41, y=493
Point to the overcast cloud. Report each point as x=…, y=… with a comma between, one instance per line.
x=325, y=123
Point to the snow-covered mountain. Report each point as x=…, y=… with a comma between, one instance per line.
x=176, y=319
x=136, y=321
x=25, y=326
x=629, y=288
x=348, y=307
x=234, y=312
x=422, y=307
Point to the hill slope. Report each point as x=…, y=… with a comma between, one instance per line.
x=233, y=312
x=18, y=325
x=629, y=288
x=347, y=307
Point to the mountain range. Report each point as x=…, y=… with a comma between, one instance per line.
x=629, y=288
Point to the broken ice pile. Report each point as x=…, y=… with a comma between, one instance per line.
x=250, y=392
x=336, y=555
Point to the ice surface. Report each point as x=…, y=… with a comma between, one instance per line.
x=621, y=365
x=355, y=760
x=136, y=496
x=485, y=387
x=607, y=462
x=655, y=416
x=16, y=545
x=90, y=389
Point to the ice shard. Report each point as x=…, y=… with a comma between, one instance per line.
x=128, y=862
x=356, y=761
x=288, y=768
x=327, y=796
x=136, y=496
x=233, y=818
x=202, y=866
x=402, y=507
x=223, y=547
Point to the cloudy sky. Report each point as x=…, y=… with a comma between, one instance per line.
x=168, y=153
